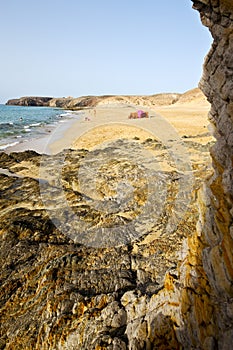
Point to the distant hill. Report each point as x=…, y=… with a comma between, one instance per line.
x=192, y=96
x=163, y=99
x=30, y=101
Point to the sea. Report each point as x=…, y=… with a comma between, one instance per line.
x=21, y=124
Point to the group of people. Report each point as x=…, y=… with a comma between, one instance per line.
x=138, y=114
x=134, y=115
x=87, y=118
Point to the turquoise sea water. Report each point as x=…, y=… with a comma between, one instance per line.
x=19, y=124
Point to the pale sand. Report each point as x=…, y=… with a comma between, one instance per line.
x=111, y=123
x=189, y=119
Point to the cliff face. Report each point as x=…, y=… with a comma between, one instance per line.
x=30, y=101
x=207, y=297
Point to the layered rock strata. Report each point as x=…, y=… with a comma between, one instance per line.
x=207, y=304
x=114, y=282
x=206, y=271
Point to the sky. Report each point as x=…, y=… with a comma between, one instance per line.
x=87, y=47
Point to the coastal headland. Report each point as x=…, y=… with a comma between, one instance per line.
x=92, y=101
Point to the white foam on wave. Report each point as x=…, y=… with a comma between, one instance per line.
x=27, y=128
x=6, y=123
x=9, y=145
x=35, y=124
x=67, y=114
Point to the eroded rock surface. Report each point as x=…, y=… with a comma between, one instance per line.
x=86, y=266
x=207, y=296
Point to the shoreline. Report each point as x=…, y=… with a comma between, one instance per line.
x=21, y=124
x=110, y=122
x=38, y=143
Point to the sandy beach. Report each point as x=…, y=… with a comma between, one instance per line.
x=110, y=122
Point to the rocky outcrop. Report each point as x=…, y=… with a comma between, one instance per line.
x=30, y=101
x=75, y=103
x=86, y=267
x=207, y=295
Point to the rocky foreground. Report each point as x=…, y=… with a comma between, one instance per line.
x=93, y=245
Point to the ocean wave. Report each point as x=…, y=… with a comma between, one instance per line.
x=66, y=114
x=34, y=124
x=2, y=147
x=6, y=125
x=22, y=123
x=27, y=128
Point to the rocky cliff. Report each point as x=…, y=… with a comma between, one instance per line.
x=207, y=296
x=30, y=101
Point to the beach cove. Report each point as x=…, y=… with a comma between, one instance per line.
x=97, y=212
x=188, y=117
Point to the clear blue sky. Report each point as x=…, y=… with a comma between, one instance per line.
x=89, y=47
